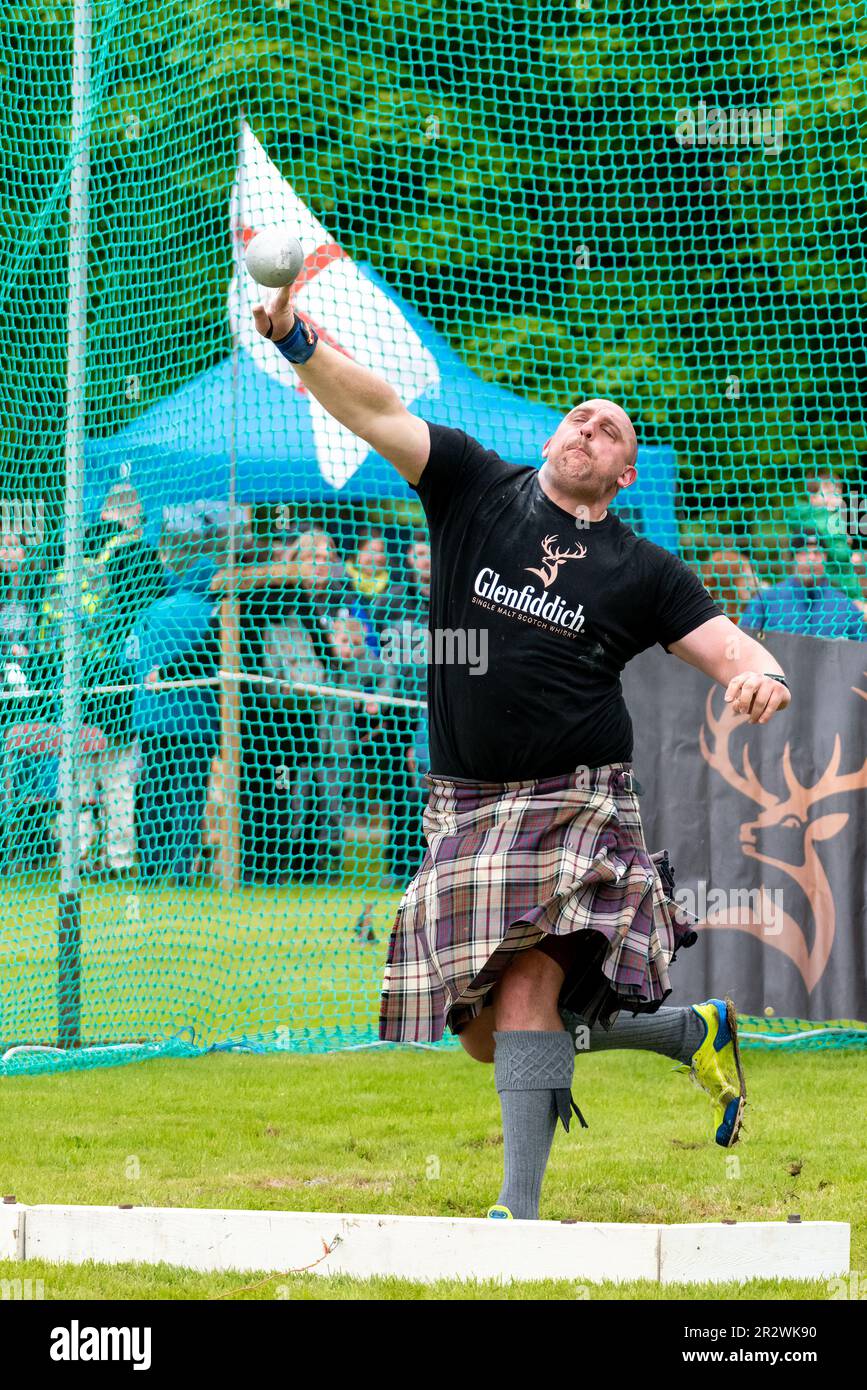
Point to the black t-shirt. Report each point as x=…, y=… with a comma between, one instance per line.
x=545, y=615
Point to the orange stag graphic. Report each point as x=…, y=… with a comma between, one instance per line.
x=786, y=822
x=554, y=559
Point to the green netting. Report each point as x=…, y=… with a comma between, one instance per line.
x=660, y=203
x=795, y=1034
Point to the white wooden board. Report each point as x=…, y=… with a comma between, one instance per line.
x=424, y=1248
x=11, y=1231
x=410, y=1247
x=753, y=1250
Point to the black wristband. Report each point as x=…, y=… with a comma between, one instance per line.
x=772, y=676
x=299, y=343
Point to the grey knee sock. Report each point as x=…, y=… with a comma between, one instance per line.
x=676, y=1033
x=534, y=1079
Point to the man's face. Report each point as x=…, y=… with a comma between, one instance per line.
x=315, y=556
x=347, y=636
x=810, y=564
x=322, y=562
x=11, y=554
x=826, y=491
x=125, y=509
x=592, y=450
x=371, y=554
x=419, y=561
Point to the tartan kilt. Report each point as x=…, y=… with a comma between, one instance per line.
x=509, y=862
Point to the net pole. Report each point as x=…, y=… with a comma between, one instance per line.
x=69, y=791
x=230, y=628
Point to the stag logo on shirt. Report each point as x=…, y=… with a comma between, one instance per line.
x=541, y=607
x=553, y=559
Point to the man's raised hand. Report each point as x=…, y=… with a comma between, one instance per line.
x=757, y=695
x=275, y=317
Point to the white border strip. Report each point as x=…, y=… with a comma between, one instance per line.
x=424, y=1248
x=12, y=1232
x=781, y=1039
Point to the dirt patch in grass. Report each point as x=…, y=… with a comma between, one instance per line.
x=340, y=1181
x=488, y=1141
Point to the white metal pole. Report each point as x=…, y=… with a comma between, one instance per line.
x=69, y=901
x=230, y=615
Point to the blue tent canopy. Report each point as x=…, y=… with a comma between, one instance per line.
x=178, y=453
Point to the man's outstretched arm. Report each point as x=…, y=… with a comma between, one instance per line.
x=358, y=398
x=740, y=663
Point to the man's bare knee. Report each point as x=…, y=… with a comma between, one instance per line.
x=477, y=1038
x=528, y=993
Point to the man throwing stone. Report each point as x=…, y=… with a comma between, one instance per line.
x=537, y=910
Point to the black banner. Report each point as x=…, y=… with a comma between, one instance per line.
x=767, y=827
x=115, y=1341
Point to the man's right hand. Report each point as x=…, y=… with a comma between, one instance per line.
x=275, y=317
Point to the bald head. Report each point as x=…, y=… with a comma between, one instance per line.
x=592, y=453
x=612, y=419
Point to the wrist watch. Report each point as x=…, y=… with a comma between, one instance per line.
x=774, y=676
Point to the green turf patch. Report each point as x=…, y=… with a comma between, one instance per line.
x=419, y=1133
x=173, y=972
x=33, y=1279
x=279, y=966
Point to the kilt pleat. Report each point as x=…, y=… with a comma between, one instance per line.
x=509, y=862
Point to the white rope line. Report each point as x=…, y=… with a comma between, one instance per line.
x=338, y=692
x=158, y=1043
x=782, y=1039
x=30, y=1048
x=361, y=1047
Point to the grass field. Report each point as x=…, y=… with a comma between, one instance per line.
x=419, y=1133
x=225, y=963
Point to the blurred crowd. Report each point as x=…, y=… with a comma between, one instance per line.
x=823, y=591
x=320, y=630
x=318, y=740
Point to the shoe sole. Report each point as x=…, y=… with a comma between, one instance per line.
x=732, y=1021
